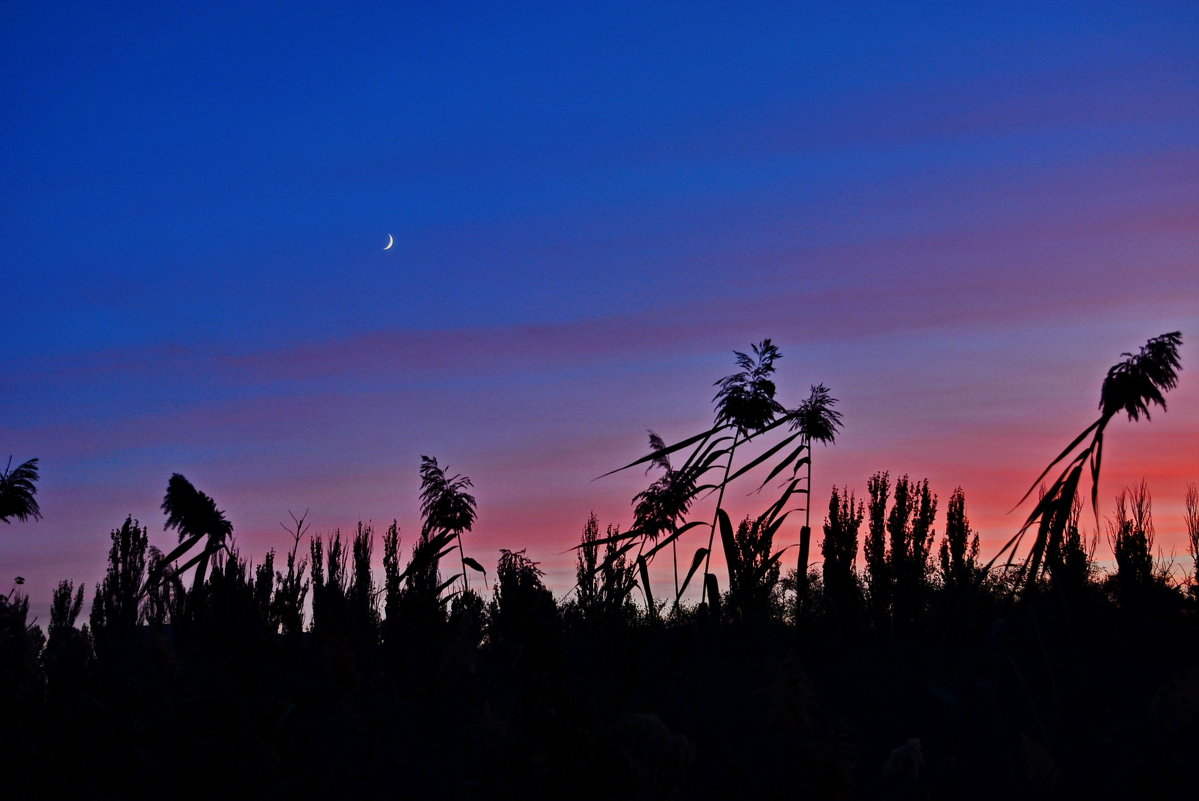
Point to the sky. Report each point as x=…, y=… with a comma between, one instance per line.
x=955, y=215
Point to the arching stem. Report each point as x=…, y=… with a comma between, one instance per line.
x=715, y=515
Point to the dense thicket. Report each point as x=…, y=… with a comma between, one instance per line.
x=908, y=677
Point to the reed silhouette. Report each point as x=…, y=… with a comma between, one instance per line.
x=745, y=403
x=818, y=421
x=660, y=508
x=1131, y=386
x=18, y=491
x=745, y=409
x=447, y=509
x=199, y=523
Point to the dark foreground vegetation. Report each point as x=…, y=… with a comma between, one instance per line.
x=898, y=666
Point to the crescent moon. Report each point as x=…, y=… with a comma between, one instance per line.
x=390, y=241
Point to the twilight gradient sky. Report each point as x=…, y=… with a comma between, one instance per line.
x=955, y=215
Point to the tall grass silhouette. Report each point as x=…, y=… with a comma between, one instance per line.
x=199, y=523
x=1131, y=386
x=448, y=509
x=818, y=421
x=660, y=508
x=745, y=408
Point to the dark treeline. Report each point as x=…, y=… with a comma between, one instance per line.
x=893, y=663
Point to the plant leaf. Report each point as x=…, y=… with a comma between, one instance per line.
x=730, y=544
x=183, y=548
x=700, y=553
x=673, y=536
x=766, y=455
x=781, y=466
x=1060, y=456
x=207, y=553
x=713, y=590
x=669, y=449
x=623, y=535
x=703, y=456
x=772, y=513
x=612, y=557
x=1096, y=458
x=649, y=595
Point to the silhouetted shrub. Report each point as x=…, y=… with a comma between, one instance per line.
x=753, y=574
x=604, y=586
x=522, y=608
x=420, y=612
x=1135, y=582
x=21, y=645
x=166, y=597
x=1070, y=559
x=878, y=569
x=344, y=618
x=68, y=653
x=234, y=619
x=291, y=588
x=911, y=535
x=898, y=547
x=117, y=609
x=842, y=593
x=468, y=618
x=360, y=597
x=959, y=547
